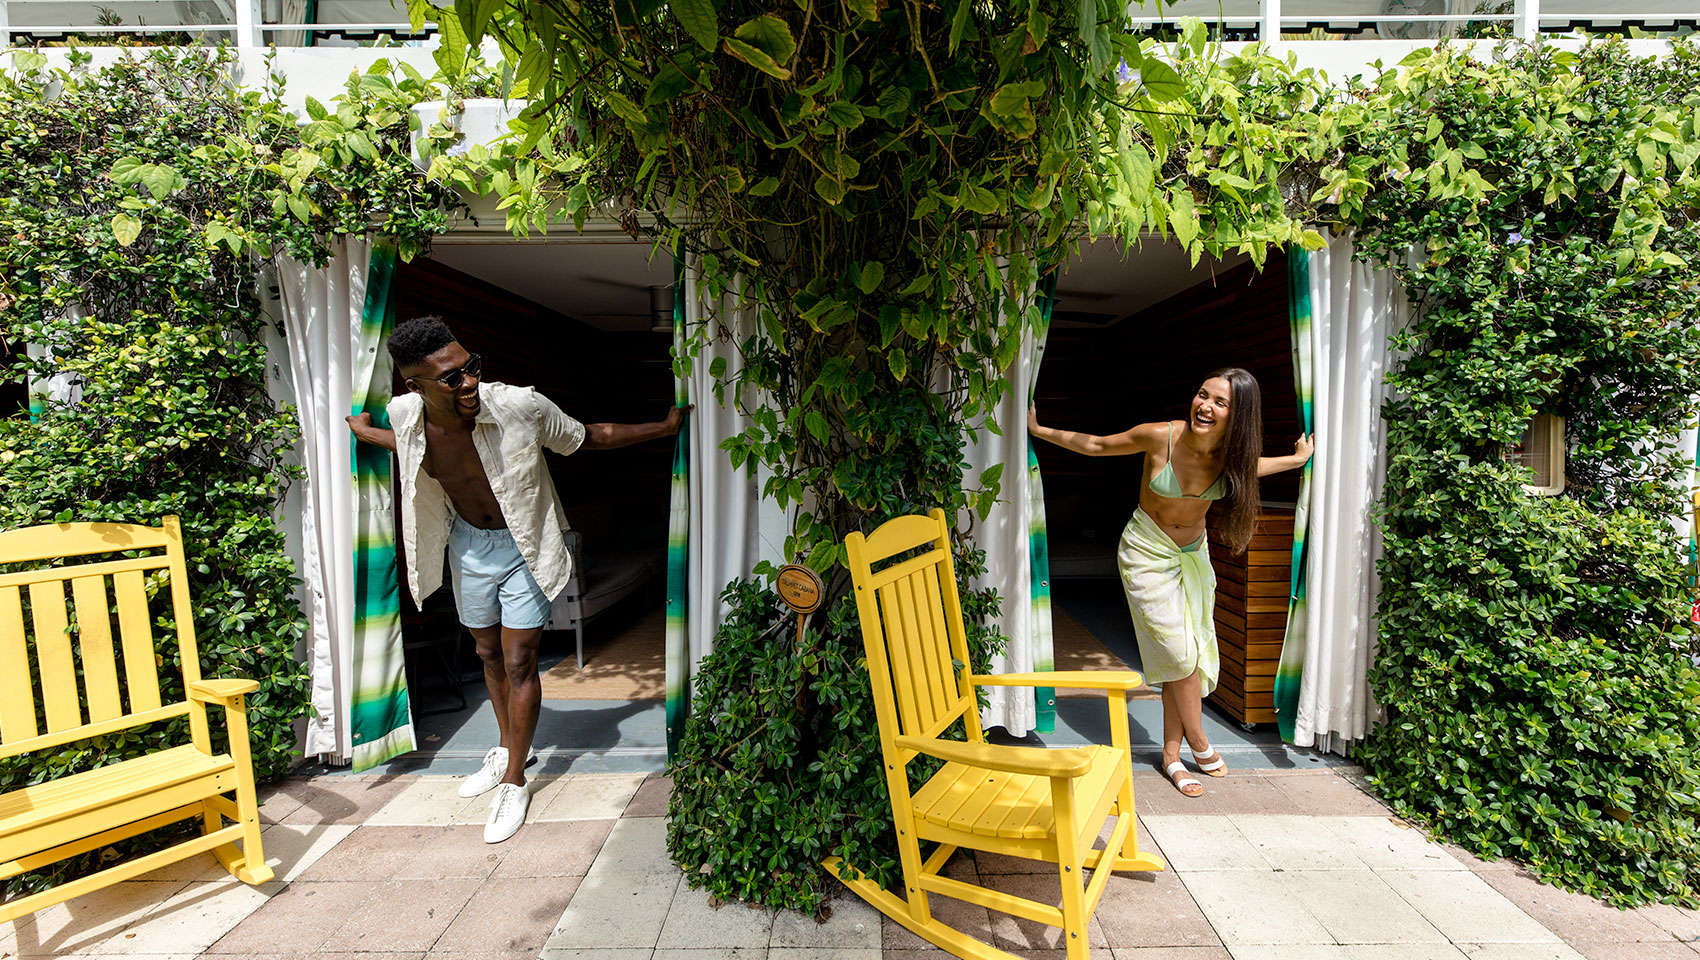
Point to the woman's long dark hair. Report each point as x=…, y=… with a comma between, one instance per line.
x=1244, y=445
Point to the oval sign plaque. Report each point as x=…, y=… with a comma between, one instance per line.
x=800, y=588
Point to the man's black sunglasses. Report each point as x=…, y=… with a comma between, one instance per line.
x=453, y=377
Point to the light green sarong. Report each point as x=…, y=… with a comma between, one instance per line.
x=1171, y=593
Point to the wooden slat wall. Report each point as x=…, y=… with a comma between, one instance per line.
x=1251, y=615
x=595, y=376
x=1145, y=369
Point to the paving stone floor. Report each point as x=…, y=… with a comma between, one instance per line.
x=1269, y=865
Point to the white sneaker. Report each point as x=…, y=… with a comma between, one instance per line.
x=491, y=773
x=507, y=812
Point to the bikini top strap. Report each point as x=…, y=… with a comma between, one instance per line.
x=1171, y=439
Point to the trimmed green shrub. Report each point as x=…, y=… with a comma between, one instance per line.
x=136, y=204
x=1536, y=658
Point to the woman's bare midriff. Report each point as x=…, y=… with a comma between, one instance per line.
x=1182, y=520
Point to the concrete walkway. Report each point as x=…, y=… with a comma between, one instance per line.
x=1270, y=865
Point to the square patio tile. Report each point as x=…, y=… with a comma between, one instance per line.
x=375, y=853
x=635, y=846
x=1289, y=951
x=1238, y=792
x=593, y=796
x=84, y=924
x=823, y=953
x=853, y=925
x=1326, y=793
x=971, y=920
x=513, y=916
x=1356, y=906
x=341, y=799
x=1171, y=953
x=1152, y=910
x=1680, y=923
x=1385, y=843
x=1574, y=916
x=450, y=853
x=1203, y=843
x=191, y=921
x=651, y=798
x=1297, y=843
x=714, y=953
x=1621, y=950
x=403, y=915
x=1252, y=907
x=1403, y=951
x=1016, y=934
x=576, y=953
x=295, y=921
x=1518, y=951
x=615, y=910
x=426, y=802
x=564, y=848
x=693, y=923
x=1465, y=908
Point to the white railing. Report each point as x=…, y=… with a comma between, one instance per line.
x=288, y=23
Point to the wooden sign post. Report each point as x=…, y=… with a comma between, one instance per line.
x=802, y=591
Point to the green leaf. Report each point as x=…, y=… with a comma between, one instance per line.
x=299, y=206
x=699, y=20
x=769, y=34
x=816, y=425
x=315, y=109
x=360, y=144
x=755, y=58
x=829, y=189
x=959, y=23
x=452, y=45
x=764, y=187
x=1160, y=80
x=898, y=361
x=873, y=275
x=669, y=82
x=845, y=115
x=125, y=229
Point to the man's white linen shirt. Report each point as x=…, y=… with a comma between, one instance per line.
x=513, y=426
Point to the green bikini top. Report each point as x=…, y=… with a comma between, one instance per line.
x=1166, y=484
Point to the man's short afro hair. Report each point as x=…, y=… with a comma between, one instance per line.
x=416, y=339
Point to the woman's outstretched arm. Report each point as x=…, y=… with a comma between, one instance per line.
x=1301, y=452
x=1136, y=440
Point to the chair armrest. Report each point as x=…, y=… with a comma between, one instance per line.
x=221, y=691
x=1066, y=680
x=1035, y=761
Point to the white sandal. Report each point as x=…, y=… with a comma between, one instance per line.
x=1215, y=768
x=1183, y=782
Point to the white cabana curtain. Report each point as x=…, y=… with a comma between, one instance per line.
x=322, y=310
x=732, y=526
x=1355, y=307
x=1005, y=536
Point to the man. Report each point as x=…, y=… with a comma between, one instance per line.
x=476, y=486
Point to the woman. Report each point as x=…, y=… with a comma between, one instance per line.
x=1163, y=558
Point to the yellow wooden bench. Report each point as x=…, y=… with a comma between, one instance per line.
x=1029, y=802
x=120, y=689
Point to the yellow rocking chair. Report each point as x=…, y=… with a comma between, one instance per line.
x=1030, y=802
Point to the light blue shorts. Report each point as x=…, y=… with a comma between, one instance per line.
x=492, y=584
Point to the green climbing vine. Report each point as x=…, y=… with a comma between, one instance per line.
x=136, y=204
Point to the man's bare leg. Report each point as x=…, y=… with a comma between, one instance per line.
x=523, y=696
x=488, y=642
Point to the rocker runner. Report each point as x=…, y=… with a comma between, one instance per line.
x=1163, y=557
x=476, y=486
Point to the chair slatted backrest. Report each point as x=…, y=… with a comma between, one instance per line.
x=56, y=627
x=911, y=618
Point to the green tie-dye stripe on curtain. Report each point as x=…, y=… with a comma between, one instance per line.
x=678, y=541
x=1038, y=541
x=1291, y=669
x=380, y=720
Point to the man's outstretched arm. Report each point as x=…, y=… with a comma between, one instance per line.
x=607, y=436
x=363, y=429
